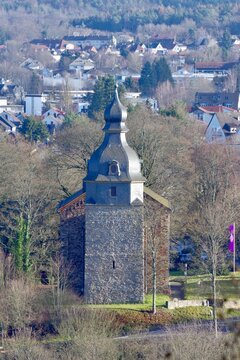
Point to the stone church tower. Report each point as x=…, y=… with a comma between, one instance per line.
x=102, y=226
x=114, y=216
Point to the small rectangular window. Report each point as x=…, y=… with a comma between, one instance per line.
x=114, y=264
x=113, y=191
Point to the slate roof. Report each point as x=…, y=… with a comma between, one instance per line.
x=7, y=88
x=86, y=38
x=50, y=43
x=7, y=124
x=157, y=197
x=214, y=65
x=114, y=147
x=70, y=198
x=213, y=99
x=55, y=120
x=166, y=43
x=14, y=119
x=227, y=119
x=161, y=200
x=216, y=109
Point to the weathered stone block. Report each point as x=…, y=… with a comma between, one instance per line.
x=114, y=268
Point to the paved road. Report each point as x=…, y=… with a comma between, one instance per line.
x=224, y=326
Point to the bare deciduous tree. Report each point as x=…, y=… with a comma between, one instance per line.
x=74, y=146
x=215, y=208
x=155, y=224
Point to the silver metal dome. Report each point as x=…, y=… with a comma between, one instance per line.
x=114, y=148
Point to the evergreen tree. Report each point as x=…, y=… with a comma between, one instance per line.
x=103, y=94
x=145, y=81
x=109, y=87
x=131, y=85
x=225, y=43
x=153, y=75
x=34, y=130
x=70, y=119
x=162, y=71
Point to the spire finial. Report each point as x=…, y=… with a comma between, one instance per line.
x=115, y=112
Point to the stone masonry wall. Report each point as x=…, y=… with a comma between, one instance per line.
x=114, y=268
x=73, y=246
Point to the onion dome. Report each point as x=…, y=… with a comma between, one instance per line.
x=114, y=160
x=115, y=115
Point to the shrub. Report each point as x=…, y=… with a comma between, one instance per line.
x=16, y=304
x=140, y=319
x=192, y=313
x=24, y=347
x=89, y=333
x=192, y=342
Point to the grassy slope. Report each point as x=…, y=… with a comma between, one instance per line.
x=228, y=287
x=161, y=301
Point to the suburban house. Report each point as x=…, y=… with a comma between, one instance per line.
x=5, y=106
x=45, y=44
x=34, y=104
x=235, y=43
x=9, y=116
x=56, y=113
x=89, y=50
x=6, y=124
x=223, y=127
x=81, y=106
x=205, y=113
x=80, y=64
x=53, y=118
x=111, y=50
x=164, y=46
x=32, y=64
x=217, y=68
x=11, y=91
x=52, y=123
x=226, y=99
x=81, y=42
x=139, y=48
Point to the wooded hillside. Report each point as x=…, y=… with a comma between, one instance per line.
x=213, y=15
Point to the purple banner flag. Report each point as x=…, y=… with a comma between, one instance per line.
x=231, y=244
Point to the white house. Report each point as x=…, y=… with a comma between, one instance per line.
x=164, y=46
x=56, y=113
x=82, y=64
x=34, y=104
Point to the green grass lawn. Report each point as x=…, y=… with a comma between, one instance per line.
x=196, y=287
x=161, y=301
x=228, y=287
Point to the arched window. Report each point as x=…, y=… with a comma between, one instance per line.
x=114, y=168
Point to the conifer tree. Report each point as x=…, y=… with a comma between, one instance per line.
x=162, y=71
x=103, y=93
x=145, y=81
x=225, y=43
x=153, y=75
x=34, y=130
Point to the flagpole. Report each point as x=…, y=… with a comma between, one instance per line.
x=234, y=249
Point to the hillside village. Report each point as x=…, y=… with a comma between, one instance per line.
x=64, y=71
x=119, y=180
